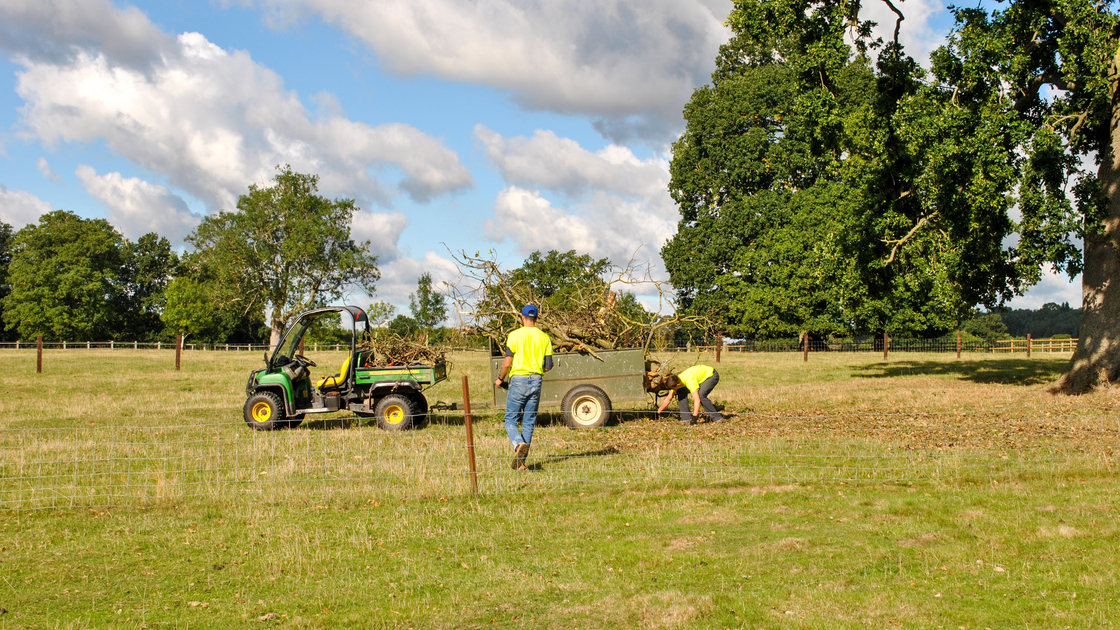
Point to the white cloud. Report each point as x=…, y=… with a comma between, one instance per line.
x=137, y=207
x=19, y=208
x=383, y=231
x=46, y=170
x=620, y=205
x=561, y=164
x=606, y=226
x=212, y=121
x=630, y=64
x=1054, y=287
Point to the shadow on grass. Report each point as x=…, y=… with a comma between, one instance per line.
x=985, y=371
x=603, y=452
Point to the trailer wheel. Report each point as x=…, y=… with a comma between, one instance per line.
x=586, y=407
x=394, y=413
x=264, y=412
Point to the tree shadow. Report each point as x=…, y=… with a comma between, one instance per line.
x=984, y=371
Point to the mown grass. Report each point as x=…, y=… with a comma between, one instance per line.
x=846, y=492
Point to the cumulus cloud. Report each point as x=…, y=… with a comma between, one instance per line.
x=19, y=208
x=382, y=230
x=1054, y=287
x=47, y=171
x=629, y=64
x=137, y=207
x=212, y=121
x=618, y=206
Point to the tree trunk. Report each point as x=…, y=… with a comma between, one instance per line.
x=1096, y=362
x=277, y=326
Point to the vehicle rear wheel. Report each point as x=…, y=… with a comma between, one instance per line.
x=586, y=407
x=394, y=413
x=264, y=412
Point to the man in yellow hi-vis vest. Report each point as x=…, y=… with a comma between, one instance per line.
x=696, y=383
x=528, y=357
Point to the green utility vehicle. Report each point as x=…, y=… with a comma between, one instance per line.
x=282, y=394
x=584, y=387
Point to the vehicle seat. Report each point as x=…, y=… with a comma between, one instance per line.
x=336, y=381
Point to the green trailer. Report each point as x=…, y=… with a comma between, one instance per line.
x=584, y=387
x=282, y=394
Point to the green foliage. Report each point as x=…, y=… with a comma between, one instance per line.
x=287, y=249
x=987, y=327
x=790, y=169
x=147, y=270
x=6, y=238
x=197, y=306
x=428, y=307
x=65, y=276
x=380, y=313
x=556, y=278
x=1052, y=320
x=403, y=326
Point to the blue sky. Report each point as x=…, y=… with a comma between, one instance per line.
x=502, y=125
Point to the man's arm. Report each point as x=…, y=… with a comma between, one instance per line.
x=547, y=362
x=502, y=371
x=695, y=403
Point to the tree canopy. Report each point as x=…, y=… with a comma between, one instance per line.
x=285, y=250
x=428, y=307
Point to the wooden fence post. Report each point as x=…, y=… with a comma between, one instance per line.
x=470, y=435
x=719, y=346
x=886, y=344
x=805, y=351
x=958, y=344
x=178, y=350
x=1028, y=345
x=39, y=360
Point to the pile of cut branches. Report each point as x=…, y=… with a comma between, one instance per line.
x=391, y=350
x=588, y=315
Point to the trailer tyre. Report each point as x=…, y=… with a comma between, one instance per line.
x=395, y=413
x=586, y=407
x=264, y=412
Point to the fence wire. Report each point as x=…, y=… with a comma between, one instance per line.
x=348, y=459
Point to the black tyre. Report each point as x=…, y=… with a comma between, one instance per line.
x=586, y=407
x=395, y=413
x=264, y=412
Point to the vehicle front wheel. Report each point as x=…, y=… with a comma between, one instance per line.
x=394, y=413
x=264, y=412
x=586, y=407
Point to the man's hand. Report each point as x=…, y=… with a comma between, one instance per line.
x=498, y=383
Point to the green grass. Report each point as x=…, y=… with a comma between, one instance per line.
x=845, y=492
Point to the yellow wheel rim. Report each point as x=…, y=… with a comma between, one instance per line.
x=394, y=414
x=261, y=412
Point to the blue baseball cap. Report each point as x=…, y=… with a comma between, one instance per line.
x=529, y=311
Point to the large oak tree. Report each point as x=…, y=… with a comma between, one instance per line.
x=286, y=249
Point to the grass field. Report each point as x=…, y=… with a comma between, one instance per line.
x=845, y=492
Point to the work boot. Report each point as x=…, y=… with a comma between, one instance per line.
x=519, y=455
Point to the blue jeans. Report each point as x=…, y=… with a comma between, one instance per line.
x=522, y=400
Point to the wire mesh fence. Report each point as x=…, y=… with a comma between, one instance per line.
x=344, y=459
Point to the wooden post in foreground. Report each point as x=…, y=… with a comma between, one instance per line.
x=178, y=350
x=719, y=346
x=805, y=351
x=470, y=435
x=886, y=344
x=39, y=359
x=1028, y=345
x=958, y=344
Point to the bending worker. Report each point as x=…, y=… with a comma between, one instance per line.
x=696, y=383
x=528, y=357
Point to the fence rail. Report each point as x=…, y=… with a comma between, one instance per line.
x=779, y=345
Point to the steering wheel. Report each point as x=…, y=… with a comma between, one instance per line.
x=304, y=361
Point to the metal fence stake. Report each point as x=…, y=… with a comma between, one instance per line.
x=470, y=435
